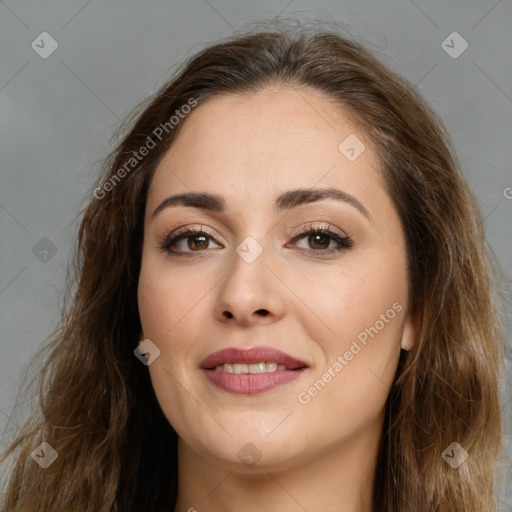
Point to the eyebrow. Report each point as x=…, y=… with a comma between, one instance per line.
x=285, y=201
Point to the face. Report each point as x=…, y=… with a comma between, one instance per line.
x=319, y=277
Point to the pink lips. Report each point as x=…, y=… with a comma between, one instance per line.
x=246, y=383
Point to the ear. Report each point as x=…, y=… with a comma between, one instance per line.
x=410, y=331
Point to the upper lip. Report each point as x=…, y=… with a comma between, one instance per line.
x=252, y=355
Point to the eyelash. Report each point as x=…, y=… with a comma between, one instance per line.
x=344, y=242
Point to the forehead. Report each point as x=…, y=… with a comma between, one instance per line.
x=280, y=135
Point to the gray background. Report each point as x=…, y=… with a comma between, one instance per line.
x=59, y=113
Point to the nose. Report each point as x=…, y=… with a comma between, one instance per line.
x=250, y=292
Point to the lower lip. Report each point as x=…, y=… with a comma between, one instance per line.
x=251, y=383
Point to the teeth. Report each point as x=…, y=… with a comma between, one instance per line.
x=257, y=368
x=240, y=368
x=250, y=368
x=271, y=367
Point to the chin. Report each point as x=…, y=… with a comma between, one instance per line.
x=251, y=452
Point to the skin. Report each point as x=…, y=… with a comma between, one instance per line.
x=249, y=149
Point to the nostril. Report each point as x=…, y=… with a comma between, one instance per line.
x=228, y=314
x=262, y=312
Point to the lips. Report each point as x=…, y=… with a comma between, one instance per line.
x=227, y=370
x=251, y=356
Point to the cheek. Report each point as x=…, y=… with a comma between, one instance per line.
x=358, y=322
x=169, y=301
x=360, y=364
x=171, y=310
x=343, y=302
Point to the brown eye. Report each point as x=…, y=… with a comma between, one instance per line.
x=319, y=241
x=196, y=240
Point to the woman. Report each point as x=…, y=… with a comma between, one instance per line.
x=283, y=302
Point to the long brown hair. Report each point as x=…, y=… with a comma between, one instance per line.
x=97, y=409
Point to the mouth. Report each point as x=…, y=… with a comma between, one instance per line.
x=251, y=371
x=253, y=368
